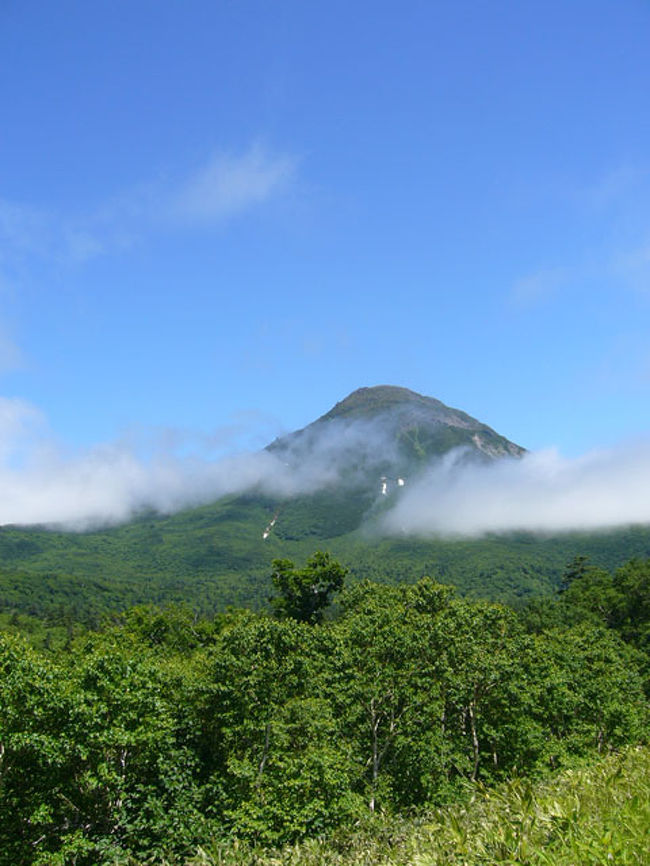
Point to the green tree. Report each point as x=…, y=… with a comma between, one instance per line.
x=383, y=684
x=476, y=650
x=577, y=568
x=590, y=590
x=278, y=768
x=35, y=755
x=93, y=761
x=304, y=593
x=631, y=616
x=590, y=692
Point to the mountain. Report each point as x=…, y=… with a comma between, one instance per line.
x=369, y=445
x=346, y=468
x=416, y=427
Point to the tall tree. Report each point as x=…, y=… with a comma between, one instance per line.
x=304, y=593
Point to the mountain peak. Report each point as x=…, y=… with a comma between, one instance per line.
x=405, y=407
x=421, y=427
x=375, y=399
x=371, y=444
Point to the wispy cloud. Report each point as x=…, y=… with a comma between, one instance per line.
x=614, y=210
x=169, y=470
x=623, y=268
x=229, y=184
x=632, y=266
x=540, y=286
x=24, y=231
x=43, y=483
x=225, y=187
x=613, y=187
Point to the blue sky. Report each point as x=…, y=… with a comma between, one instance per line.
x=219, y=218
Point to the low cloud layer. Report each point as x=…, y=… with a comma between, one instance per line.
x=43, y=483
x=540, y=492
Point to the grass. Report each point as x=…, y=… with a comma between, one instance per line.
x=594, y=815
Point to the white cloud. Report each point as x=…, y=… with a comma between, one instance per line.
x=43, y=484
x=25, y=232
x=614, y=210
x=227, y=186
x=232, y=183
x=633, y=267
x=614, y=187
x=536, y=287
x=109, y=483
x=541, y=492
x=29, y=234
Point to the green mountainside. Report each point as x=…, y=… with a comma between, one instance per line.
x=378, y=439
x=219, y=554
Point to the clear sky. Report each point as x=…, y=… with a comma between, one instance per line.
x=218, y=218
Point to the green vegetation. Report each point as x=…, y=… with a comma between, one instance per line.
x=599, y=814
x=163, y=733
x=304, y=593
x=164, y=699
x=214, y=556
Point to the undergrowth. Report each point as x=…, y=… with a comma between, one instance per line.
x=595, y=815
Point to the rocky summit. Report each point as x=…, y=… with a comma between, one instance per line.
x=394, y=427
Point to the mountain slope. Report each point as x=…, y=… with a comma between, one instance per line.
x=412, y=428
x=370, y=444
x=219, y=554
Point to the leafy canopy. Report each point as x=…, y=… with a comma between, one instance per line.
x=303, y=593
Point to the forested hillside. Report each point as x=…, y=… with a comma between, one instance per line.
x=329, y=485
x=163, y=731
x=215, y=556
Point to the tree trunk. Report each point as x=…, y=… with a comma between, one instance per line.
x=374, y=722
x=475, y=743
x=265, y=754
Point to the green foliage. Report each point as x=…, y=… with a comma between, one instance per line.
x=631, y=609
x=270, y=741
x=214, y=556
x=93, y=764
x=597, y=814
x=175, y=628
x=590, y=595
x=591, y=590
x=304, y=593
x=163, y=730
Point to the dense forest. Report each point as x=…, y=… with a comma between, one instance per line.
x=160, y=731
x=214, y=556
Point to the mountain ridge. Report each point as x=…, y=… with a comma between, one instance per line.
x=382, y=397
x=420, y=427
